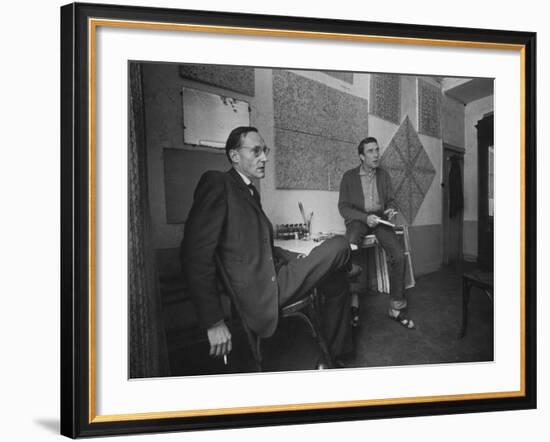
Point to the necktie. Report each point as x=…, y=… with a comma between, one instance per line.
x=255, y=193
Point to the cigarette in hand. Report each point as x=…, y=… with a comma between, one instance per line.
x=224, y=359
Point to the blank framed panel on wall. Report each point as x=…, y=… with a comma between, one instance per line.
x=208, y=119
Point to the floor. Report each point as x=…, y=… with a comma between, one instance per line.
x=435, y=304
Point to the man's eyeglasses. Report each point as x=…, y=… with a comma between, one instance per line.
x=258, y=150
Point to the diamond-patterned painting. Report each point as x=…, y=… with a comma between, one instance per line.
x=410, y=169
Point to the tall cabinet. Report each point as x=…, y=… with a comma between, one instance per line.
x=485, y=143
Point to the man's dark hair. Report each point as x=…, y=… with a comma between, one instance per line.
x=361, y=146
x=234, y=139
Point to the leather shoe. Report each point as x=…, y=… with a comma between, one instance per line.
x=346, y=360
x=339, y=363
x=321, y=366
x=355, y=316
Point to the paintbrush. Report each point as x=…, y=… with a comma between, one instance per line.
x=301, y=207
x=383, y=221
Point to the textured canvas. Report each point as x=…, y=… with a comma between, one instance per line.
x=304, y=161
x=317, y=129
x=410, y=168
x=343, y=156
x=234, y=78
x=429, y=109
x=385, y=93
x=308, y=106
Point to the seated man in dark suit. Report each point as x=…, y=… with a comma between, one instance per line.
x=227, y=218
x=366, y=197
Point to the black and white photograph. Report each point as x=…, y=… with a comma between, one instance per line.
x=275, y=221
x=289, y=219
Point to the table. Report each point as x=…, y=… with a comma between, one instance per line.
x=304, y=246
x=297, y=245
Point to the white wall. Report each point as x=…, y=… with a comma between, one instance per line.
x=453, y=127
x=29, y=226
x=430, y=209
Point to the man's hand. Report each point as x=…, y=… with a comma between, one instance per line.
x=220, y=340
x=390, y=213
x=372, y=221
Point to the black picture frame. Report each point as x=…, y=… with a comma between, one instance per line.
x=77, y=253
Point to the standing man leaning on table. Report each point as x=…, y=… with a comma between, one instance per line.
x=366, y=197
x=227, y=218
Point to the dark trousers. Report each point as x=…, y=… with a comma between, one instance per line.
x=325, y=268
x=356, y=231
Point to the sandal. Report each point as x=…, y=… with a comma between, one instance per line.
x=402, y=319
x=354, y=316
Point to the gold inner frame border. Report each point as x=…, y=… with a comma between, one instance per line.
x=93, y=24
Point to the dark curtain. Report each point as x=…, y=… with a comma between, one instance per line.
x=147, y=341
x=456, y=193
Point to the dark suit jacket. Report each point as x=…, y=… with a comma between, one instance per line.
x=351, y=201
x=225, y=219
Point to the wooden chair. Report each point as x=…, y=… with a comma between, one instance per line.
x=307, y=309
x=481, y=280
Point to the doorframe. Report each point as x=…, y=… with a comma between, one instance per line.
x=456, y=150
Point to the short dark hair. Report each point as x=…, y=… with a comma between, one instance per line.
x=361, y=146
x=235, y=137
